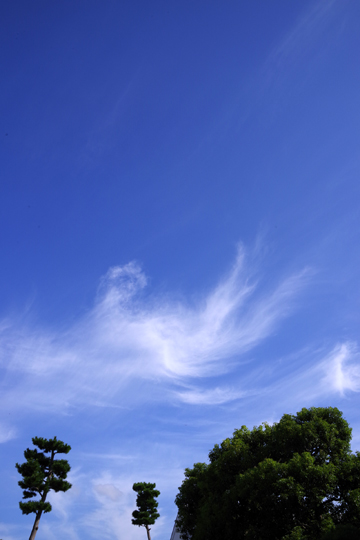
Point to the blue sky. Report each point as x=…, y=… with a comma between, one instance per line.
x=179, y=216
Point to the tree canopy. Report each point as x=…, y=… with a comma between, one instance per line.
x=293, y=480
x=42, y=473
x=147, y=504
x=342, y=532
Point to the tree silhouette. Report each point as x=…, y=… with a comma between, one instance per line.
x=41, y=473
x=294, y=479
x=147, y=512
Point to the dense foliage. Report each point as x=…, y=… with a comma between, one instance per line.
x=147, y=513
x=294, y=480
x=342, y=532
x=41, y=473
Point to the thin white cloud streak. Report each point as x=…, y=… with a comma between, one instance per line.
x=332, y=373
x=106, y=456
x=7, y=433
x=306, y=41
x=215, y=396
x=127, y=337
x=300, y=39
x=342, y=368
x=337, y=372
x=108, y=491
x=291, y=62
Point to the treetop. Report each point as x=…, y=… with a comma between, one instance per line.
x=51, y=445
x=296, y=478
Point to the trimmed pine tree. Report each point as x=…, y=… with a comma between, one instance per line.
x=147, y=512
x=41, y=473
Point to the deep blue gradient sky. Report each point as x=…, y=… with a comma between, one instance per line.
x=179, y=217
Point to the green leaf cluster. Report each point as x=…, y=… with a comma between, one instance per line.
x=342, y=532
x=294, y=480
x=41, y=473
x=147, y=504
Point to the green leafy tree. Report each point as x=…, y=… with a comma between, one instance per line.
x=343, y=532
x=147, y=513
x=294, y=480
x=41, y=472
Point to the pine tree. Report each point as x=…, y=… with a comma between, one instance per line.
x=147, y=512
x=41, y=473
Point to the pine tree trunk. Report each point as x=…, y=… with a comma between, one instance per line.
x=38, y=514
x=36, y=525
x=148, y=531
x=43, y=499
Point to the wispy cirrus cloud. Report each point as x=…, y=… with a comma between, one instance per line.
x=129, y=337
x=299, y=41
x=342, y=369
x=6, y=433
x=315, y=374
x=108, y=491
x=305, y=44
x=213, y=396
